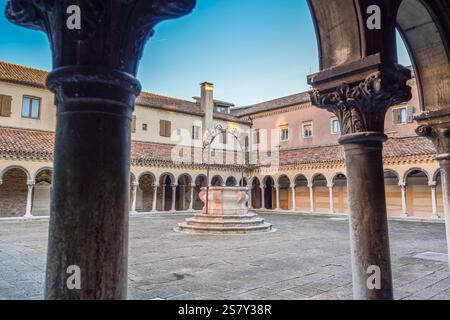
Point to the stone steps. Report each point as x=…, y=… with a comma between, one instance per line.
x=224, y=222
x=261, y=228
x=212, y=217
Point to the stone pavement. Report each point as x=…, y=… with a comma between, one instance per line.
x=307, y=258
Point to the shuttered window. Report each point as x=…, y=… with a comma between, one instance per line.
x=133, y=125
x=5, y=105
x=165, y=128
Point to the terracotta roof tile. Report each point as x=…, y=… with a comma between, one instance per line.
x=40, y=144
x=14, y=73
x=272, y=104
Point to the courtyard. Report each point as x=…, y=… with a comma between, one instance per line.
x=308, y=257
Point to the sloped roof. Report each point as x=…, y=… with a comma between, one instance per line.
x=39, y=145
x=18, y=74
x=272, y=104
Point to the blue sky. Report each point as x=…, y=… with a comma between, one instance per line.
x=252, y=50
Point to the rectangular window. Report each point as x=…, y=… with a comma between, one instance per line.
x=5, y=105
x=223, y=138
x=31, y=107
x=400, y=116
x=165, y=128
x=133, y=124
x=335, y=126
x=195, y=133
x=144, y=127
x=256, y=137
x=307, y=130
x=284, y=133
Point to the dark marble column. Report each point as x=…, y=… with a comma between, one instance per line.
x=361, y=105
x=435, y=125
x=95, y=90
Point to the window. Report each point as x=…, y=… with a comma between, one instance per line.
x=31, y=107
x=284, y=133
x=5, y=105
x=400, y=116
x=144, y=127
x=165, y=128
x=335, y=126
x=133, y=124
x=256, y=137
x=195, y=133
x=307, y=130
x=223, y=138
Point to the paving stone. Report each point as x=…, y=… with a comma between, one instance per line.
x=307, y=258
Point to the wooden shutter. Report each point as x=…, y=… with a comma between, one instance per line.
x=162, y=128
x=133, y=124
x=168, y=129
x=5, y=105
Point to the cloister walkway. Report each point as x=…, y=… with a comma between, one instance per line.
x=307, y=258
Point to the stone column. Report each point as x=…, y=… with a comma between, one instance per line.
x=434, y=214
x=360, y=104
x=29, y=206
x=435, y=125
x=331, y=192
x=311, y=198
x=277, y=197
x=163, y=197
x=134, y=187
x=263, y=200
x=155, y=197
x=294, y=198
x=174, y=197
x=191, y=204
x=95, y=91
x=250, y=197
x=404, y=206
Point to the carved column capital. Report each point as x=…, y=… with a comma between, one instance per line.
x=435, y=125
x=361, y=107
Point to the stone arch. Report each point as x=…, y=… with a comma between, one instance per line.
x=42, y=192
x=340, y=198
x=165, y=192
x=200, y=182
x=321, y=195
x=217, y=181
x=183, y=192
x=284, y=188
x=426, y=37
x=145, y=192
x=409, y=171
x=231, y=182
x=301, y=184
x=269, y=193
x=14, y=191
x=392, y=186
x=5, y=170
x=418, y=193
x=256, y=193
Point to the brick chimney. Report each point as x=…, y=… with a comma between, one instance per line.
x=207, y=104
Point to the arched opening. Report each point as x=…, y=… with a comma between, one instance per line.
x=13, y=193
x=145, y=193
x=321, y=194
x=165, y=193
x=269, y=194
x=256, y=194
x=302, y=194
x=418, y=194
x=217, y=181
x=42, y=193
x=340, y=201
x=393, y=190
x=183, y=193
x=243, y=182
x=200, y=182
x=284, y=184
x=231, y=182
